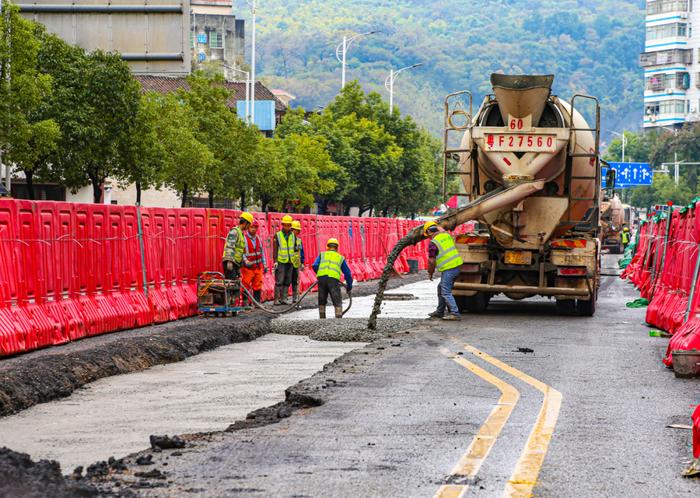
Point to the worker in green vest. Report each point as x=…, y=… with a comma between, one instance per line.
x=282, y=251
x=443, y=256
x=298, y=259
x=329, y=266
x=234, y=247
x=625, y=235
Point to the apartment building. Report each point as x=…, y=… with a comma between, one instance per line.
x=671, y=63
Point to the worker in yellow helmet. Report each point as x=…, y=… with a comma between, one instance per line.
x=234, y=247
x=329, y=266
x=298, y=260
x=625, y=236
x=443, y=256
x=282, y=250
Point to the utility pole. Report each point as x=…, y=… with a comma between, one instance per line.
x=6, y=14
x=389, y=83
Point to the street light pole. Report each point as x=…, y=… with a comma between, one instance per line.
x=253, y=8
x=247, y=91
x=342, y=49
x=624, y=141
x=389, y=83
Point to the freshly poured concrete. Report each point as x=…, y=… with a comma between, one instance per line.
x=115, y=416
x=425, y=291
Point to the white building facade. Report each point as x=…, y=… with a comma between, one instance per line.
x=671, y=63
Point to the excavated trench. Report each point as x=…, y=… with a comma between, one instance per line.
x=56, y=373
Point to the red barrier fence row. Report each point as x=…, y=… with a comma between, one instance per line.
x=69, y=271
x=665, y=270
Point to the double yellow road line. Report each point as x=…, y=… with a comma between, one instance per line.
x=524, y=476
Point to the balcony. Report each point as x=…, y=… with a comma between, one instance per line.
x=655, y=7
x=662, y=57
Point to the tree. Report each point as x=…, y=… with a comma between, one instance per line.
x=187, y=160
x=27, y=134
x=144, y=157
x=95, y=103
x=231, y=142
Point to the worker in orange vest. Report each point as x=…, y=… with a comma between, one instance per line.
x=254, y=264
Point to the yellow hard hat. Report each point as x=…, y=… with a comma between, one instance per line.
x=427, y=225
x=296, y=225
x=626, y=229
x=332, y=242
x=287, y=220
x=247, y=217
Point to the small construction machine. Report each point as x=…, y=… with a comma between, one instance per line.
x=526, y=168
x=217, y=295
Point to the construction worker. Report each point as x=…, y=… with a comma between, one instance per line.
x=298, y=260
x=235, y=247
x=625, y=235
x=443, y=257
x=328, y=267
x=282, y=250
x=254, y=265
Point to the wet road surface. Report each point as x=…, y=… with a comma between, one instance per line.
x=516, y=401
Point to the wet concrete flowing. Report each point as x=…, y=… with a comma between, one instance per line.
x=411, y=238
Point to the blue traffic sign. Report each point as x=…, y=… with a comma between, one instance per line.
x=630, y=174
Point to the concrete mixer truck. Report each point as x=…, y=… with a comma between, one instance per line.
x=528, y=166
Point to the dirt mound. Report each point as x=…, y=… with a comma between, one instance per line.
x=21, y=476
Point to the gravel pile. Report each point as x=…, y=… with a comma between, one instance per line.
x=347, y=329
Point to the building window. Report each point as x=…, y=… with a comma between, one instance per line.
x=215, y=40
x=667, y=31
x=665, y=107
x=663, y=6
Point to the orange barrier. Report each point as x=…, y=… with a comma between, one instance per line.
x=69, y=271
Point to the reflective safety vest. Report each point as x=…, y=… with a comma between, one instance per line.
x=330, y=265
x=296, y=255
x=285, y=247
x=625, y=238
x=253, y=250
x=234, y=246
x=448, y=255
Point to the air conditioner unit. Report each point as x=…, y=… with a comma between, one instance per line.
x=683, y=15
x=693, y=110
x=669, y=91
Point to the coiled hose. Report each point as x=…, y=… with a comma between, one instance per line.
x=293, y=306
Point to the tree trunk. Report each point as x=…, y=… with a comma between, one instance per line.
x=138, y=193
x=184, y=195
x=211, y=198
x=243, y=201
x=96, y=190
x=30, y=184
x=264, y=204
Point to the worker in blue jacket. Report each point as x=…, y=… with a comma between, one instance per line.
x=329, y=266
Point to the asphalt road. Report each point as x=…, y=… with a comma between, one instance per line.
x=514, y=402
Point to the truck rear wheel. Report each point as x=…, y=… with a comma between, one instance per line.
x=566, y=306
x=474, y=304
x=585, y=308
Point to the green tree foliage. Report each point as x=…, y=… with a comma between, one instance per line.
x=592, y=47
x=232, y=143
x=387, y=164
x=27, y=133
x=95, y=102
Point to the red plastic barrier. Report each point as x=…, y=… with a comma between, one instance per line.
x=696, y=432
x=69, y=271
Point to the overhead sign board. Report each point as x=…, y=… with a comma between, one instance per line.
x=630, y=174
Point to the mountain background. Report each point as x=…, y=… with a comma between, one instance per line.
x=591, y=46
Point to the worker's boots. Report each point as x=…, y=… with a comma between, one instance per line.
x=295, y=295
x=339, y=312
x=322, y=312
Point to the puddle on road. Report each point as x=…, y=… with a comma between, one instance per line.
x=207, y=392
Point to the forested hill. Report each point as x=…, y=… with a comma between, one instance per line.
x=592, y=46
